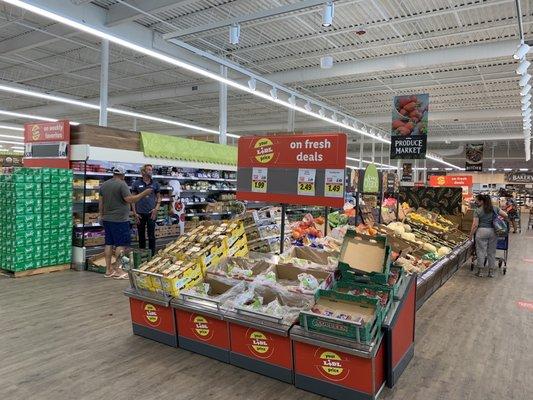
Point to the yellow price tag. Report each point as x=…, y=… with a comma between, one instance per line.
x=333, y=190
x=306, y=188
x=259, y=186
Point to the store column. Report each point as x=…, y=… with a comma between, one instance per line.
x=223, y=107
x=104, y=81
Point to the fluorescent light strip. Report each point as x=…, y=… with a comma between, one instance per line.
x=9, y=142
x=11, y=128
x=26, y=116
x=11, y=137
x=370, y=162
x=18, y=151
x=189, y=67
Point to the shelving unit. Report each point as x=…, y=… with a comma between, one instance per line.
x=194, y=174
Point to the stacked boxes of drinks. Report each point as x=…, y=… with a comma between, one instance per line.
x=36, y=222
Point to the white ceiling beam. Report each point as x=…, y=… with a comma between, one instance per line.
x=269, y=13
x=121, y=13
x=35, y=39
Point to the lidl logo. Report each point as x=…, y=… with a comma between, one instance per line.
x=264, y=152
x=441, y=180
x=331, y=365
x=201, y=327
x=151, y=315
x=260, y=344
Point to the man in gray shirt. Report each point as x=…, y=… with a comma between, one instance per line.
x=114, y=207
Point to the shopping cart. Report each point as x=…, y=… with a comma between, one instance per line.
x=517, y=217
x=503, y=245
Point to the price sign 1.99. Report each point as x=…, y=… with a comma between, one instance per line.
x=259, y=180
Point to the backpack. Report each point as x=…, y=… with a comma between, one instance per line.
x=500, y=226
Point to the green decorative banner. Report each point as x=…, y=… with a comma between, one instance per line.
x=371, y=180
x=177, y=148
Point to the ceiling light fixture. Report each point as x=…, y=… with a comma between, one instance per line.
x=526, y=98
x=525, y=90
x=522, y=67
x=507, y=169
x=308, y=106
x=274, y=93
x=12, y=137
x=252, y=83
x=524, y=169
x=521, y=51
x=26, y=116
x=525, y=106
x=327, y=14
x=11, y=128
x=326, y=62
x=524, y=80
x=9, y=142
x=322, y=112
x=234, y=33
x=292, y=100
x=492, y=169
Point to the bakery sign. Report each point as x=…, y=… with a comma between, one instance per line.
x=519, y=177
x=306, y=169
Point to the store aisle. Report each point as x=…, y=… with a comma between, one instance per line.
x=68, y=336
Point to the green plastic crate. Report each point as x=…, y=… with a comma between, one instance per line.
x=347, y=329
x=367, y=290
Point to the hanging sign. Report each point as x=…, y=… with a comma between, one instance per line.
x=306, y=169
x=519, y=177
x=474, y=157
x=464, y=181
x=46, y=144
x=390, y=182
x=371, y=179
x=407, y=172
x=8, y=160
x=409, y=127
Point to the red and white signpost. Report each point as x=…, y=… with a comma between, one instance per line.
x=46, y=144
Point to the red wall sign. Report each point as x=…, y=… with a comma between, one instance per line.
x=304, y=169
x=46, y=144
x=451, y=180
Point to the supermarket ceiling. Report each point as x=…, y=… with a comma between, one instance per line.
x=458, y=51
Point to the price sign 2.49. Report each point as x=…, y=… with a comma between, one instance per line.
x=306, y=181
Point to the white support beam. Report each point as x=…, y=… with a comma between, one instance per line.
x=121, y=13
x=269, y=13
x=104, y=82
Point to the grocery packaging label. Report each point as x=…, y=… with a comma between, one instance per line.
x=259, y=180
x=306, y=181
x=334, y=183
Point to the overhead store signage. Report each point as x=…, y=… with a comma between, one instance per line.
x=293, y=169
x=519, y=177
x=407, y=172
x=46, y=144
x=391, y=183
x=474, y=157
x=463, y=181
x=8, y=160
x=409, y=127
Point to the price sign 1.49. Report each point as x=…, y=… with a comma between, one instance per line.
x=334, y=183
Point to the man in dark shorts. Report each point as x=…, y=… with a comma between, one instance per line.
x=146, y=210
x=114, y=208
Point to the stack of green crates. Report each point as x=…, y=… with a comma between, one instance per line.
x=36, y=218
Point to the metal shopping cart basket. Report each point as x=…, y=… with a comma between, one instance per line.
x=503, y=245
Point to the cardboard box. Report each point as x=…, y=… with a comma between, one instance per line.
x=287, y=275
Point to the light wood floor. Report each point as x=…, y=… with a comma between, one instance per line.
x=67, y=335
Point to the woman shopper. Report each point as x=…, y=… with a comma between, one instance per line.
x=483, y=231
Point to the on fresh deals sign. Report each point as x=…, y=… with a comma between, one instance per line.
x=304, y=169
x=463, y=181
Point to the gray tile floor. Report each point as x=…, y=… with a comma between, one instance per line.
x=67, y=335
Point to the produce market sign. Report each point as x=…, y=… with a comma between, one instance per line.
x=519, y=177
x=474, y=157
x=46, y=144
x=409, y=127
x=293, y=169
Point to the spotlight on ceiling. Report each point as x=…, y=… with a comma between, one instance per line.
x=521, y=51
x=524, y=80
x=525, y=90
x=292, y=100
x=326, y=62
x=327, y=14
x=234, y=33
x=252, y=83
x=522, y=67
x=274, y=93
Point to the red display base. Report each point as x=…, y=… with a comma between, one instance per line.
x=324, y=369
x=203, y=334
x=153, y=321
